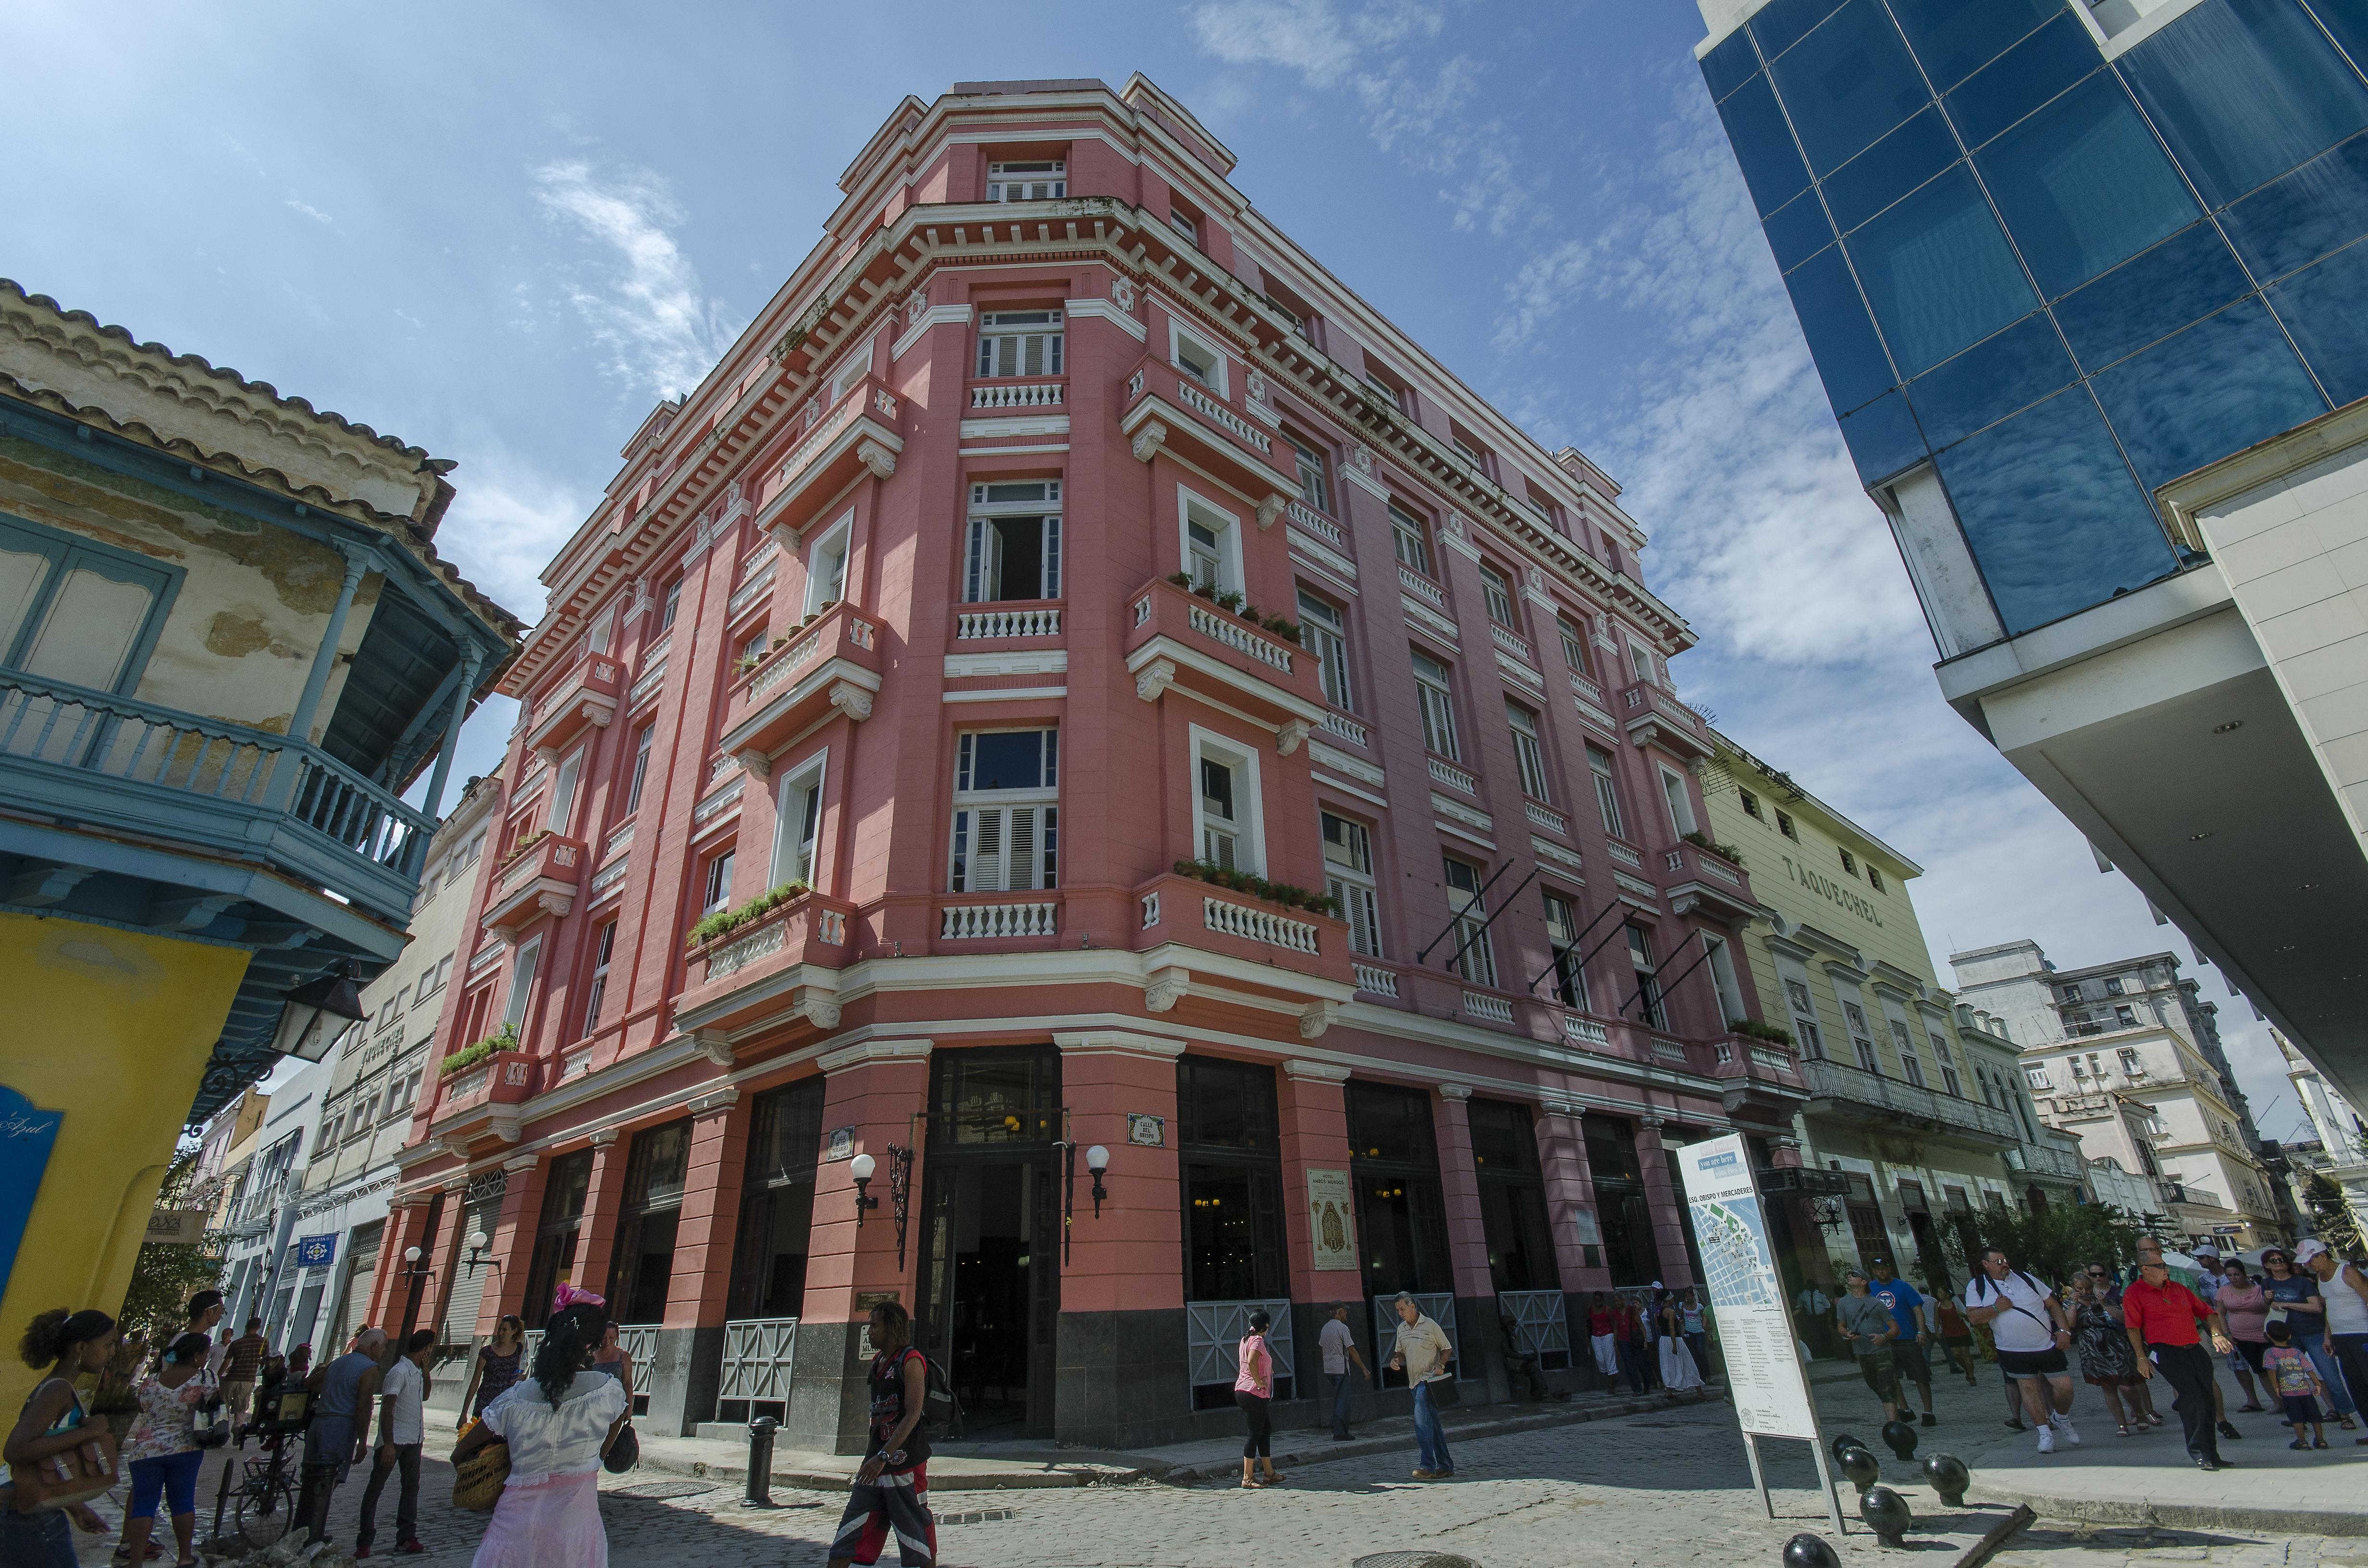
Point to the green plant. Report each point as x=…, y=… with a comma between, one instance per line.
x=1180, y=580
x=1757, y=1030
x=1205, y=591
x=1249, y=612
x=725, y=921
x=2053, y=1243
x=503, y=1038
x=1230, y=599
x=1702, y=840
x=523, y=844
x=2331, y=1216
x=1284, y=894
x=1282, y=626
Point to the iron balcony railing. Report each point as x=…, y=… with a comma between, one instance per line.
x=1888, y=1098
x=116, y=762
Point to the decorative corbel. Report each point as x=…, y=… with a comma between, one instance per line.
x=1167, y=987
x=1288, y=736
x=877, y=458
x=1268, y=510
x=820, y=1009
x=1455, y=1091
x=1316, y=1018
x=602, y=1137
x=852, y=699
x=455, y=1145
x=1154, y=679
x=713, y=1045
x=1148, y=440
x=753, y=761
x=505, y=1126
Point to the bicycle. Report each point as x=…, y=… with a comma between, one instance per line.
x=262, y=1505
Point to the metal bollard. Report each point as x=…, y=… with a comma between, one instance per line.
x=760, y=1463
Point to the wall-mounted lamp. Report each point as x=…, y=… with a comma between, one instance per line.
x=860, y=1168
x=477, y=1244
x=1097, y=1161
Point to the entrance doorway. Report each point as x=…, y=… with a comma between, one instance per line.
x=990, y=1269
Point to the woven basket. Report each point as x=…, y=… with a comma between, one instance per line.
x=477, y=1481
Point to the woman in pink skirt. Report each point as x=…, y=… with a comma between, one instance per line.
x=557, y=1423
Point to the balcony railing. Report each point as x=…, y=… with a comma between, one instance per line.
x=1496, y=1009
x=1546, y=816
x=1512, y=642
x=1586, y=689
x=1374, y=978
x=1304, y=516
x=1031, y=918
x=1016, y=620
x=119, y=763
x=1256, y=924
x=1892, y=1100
x=1348, y=729
x=1224, y=418
x=1423, y=587
x=1626, y=854
x=1454, y=778
x=1018, y=394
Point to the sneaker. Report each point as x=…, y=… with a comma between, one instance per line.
x=2062, y=1424
x=1931, y=1419
x=2047, y=1439
x=412, y=1548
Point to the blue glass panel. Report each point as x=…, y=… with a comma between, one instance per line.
x=1883, y=438
x=2084, y=186
x=1729, y=66
x=2293, y=222
x=2055, y=520
x=1781, y=23
x=1938, y=272
x=1798, y=232
x=1847, y=82
x=2244, y=90
x=1833, y=318
x=1992, y=379
x=2322, y=309
x=1764, y=147
x=2032, y=73
x=2182, y=280
x=1890, y=169
x=2348, y=20
x=1957, y=37
x=2225, y=382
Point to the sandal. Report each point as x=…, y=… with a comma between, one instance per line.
x=2125, y=1430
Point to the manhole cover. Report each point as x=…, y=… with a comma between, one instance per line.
x=661, y=1489
x=1413, y=1560
x=977, y=1516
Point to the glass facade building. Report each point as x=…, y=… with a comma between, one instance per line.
x=2063, y=255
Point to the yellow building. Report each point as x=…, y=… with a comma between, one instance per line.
x=227, y=648
x=1917, y=1115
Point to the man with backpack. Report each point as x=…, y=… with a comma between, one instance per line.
x=891, y=1489
x=2031, y=1334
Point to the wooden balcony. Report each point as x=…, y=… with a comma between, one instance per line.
x=539, y=880
x=587, y=699
x=1175, y=638
x=1165, y=407
x=834, y=662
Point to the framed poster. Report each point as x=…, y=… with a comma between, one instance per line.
x=1331, y=1220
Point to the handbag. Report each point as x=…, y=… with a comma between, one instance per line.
x=72, y=1475
x=477, y=1481
x=621, y=1452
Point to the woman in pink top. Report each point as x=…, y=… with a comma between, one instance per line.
x=1254, y=1392
x=2246, y=1305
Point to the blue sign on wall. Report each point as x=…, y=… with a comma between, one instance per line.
x=316, y=1252
x=27, y=1135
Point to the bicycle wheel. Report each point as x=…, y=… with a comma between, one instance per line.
x=267, y=1509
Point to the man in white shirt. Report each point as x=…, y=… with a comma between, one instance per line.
x=2031, y=1334
x=402, y=1428
x=1423, y=1353
x=1338, y=1343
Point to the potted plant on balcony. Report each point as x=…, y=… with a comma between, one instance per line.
x=1772, y=1033
x=503, y=1038
x=724, y=922
x=1702, y=840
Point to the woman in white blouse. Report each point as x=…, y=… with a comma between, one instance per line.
x=557, y=1424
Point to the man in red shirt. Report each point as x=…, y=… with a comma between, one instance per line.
x=2162, y=1316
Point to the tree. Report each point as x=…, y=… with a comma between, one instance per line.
x=2330, y=1216
x=2054, y=1243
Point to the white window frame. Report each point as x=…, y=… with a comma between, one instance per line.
x=1725, y=980
x=1410, y=535
x=1573, y=646
x=523, y=964
x=1911, y=1060
x=1305, y=457
x=1224, y=525
x=1323, y=632
x=1680, y=802
x=1185, y=224
x=1607, y=790
x=1496, y=593
x=1248, y=828
x=637, y=771
x=1861, y=1036
x=1571, y=982
x=1529, y=751
x=1052, y=327
x=1640, y=660
x=1435, y=696
x=1217, y=380
x=602, y=631
x=983, y=560
x=566, y=779
x=969, y=803
x=1475, y=959
x=1027, y=180
x=1647, y=964
x=826, y=561
x=1948, y=1061
x=1349, y=876
x=790, y=845
x=604, y=953
x=2036, y=1076
x=850, y=374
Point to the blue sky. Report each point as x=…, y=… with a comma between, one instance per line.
x=503, y=232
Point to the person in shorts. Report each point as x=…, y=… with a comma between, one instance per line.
x=2032, y=1333
x=1906, y=1306
x=891, y=1495
x=1956, y=1336
x=1869, y=1328
x=2297, y=1387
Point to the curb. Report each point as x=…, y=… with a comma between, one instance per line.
x=1186, y=1475
x=2182, y=1516
x=835, y=1481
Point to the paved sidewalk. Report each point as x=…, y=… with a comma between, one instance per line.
x=2141, y=1479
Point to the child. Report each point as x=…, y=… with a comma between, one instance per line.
x=2296, y=1383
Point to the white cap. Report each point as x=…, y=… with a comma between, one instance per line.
x=2303, y=1252
x=2207, y=1250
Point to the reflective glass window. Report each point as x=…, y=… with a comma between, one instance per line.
x=1779, y=24
x=1798, y=232
x=2225, y=382
x=1847, y=82
x=1955, y=38
x=2084, y=184
x=1992, y=379
x=1764, y=147
x=2185, y=277
x=1729, y=66
x=2051, y=512
x=2293, y=221
x=2244, y=90
x=2322, y=307
x=2348, y=20
x=1938, y=272
x=1883, y=437
x=1890, y=169
x=2032, y=73
x=1833, y=318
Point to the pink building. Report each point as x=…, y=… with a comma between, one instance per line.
x=1076, y=684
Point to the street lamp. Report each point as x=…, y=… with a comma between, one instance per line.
x=1097, y=1161
x=312, y=1014
x=477, y=1244
x=860, y=1168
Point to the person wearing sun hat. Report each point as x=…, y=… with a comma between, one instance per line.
x=2343, y=1356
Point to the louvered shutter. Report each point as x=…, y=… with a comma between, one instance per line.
x=1357, y=907
x=1003, y=849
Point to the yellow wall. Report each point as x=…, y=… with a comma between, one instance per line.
x=113, y=1028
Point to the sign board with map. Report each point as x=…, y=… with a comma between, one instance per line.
x=1764, y=1375
x=1331, y=1220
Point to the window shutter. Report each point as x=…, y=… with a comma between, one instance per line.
x=1051, y=554
x=1357, y=906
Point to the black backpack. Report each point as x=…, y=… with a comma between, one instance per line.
x=940, y=1408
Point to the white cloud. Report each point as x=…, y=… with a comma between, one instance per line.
x=640, y=295
x=309, y=210
x=505, y=524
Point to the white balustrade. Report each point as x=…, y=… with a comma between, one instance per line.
x=1380, y=982
x=830, y=927
x=1513, y=643
x=743, y=951
x=1023, y=394
x=647, y=682
x=1496, y=1009
x=1668, y=1050
x=1422, y=587
x=1623, y=854
x=1304, y=516
x=1454, y=778
x=1546, y=817
x=1718, y=871
x=1586, y=689
x=973, y=624
x=1585, y=1031
x=747, y=593
x=1211, y=409
x=1348, y=729
x=973, y=920
x=1235, y=635
x=1257, y=926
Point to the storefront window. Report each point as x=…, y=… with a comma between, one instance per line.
x=768, y=1269
x=563, y=1191
x=1401, y=1220
x=1232, y=1168
x=643, y=1266
x=1630, y=1250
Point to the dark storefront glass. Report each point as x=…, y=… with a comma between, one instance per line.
x=1512, y=1198
x=1621, y=1210
x=1231, y=1153
x=996, y=1096
x=1401, y=1220
x=769, y=1262
x=643, y=1266
x=563, y=1191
